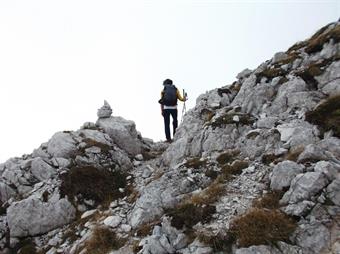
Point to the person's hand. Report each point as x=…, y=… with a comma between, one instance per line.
x=162, y=113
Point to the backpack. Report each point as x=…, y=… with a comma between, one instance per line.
x=170, y=95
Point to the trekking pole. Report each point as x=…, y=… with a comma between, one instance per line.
x=184, y=110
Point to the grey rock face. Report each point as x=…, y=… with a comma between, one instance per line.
x=283, y=174
x=313, y=153
x=279, y=56
x=260, y=249
x=333, y=191
x=314, y=238
x=41, y=170
x=304, y=186
x=243, y=74
x=6, y=192
x=330, y=169
x=105, y=111
x=123, y=133
x=62, y=145
x=31, y=216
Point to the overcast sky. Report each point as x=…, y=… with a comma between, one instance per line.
x=60, y=59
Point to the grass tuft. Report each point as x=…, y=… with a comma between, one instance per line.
x=261, y=226
x=195, y=163
x=188, y=215
x=219, y=242
x=327, y=115
x=103, y=240
x=99, y=185
x=270, y=200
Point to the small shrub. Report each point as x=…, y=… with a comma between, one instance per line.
x=135, y=246
x=189, y=214
x=317, y=41
x=211, y=173
x=27, y=247
x=195, y=163
x=227, y=156
x=261, y=226
x=103, y=240
x=270, y=200
x=99, y=185
x=294, y=153
x=218, y=242
x=327, y=115
x=207, y=114
x=146, y=228
x=234, y=169
x=209, y=195
x=269, y=158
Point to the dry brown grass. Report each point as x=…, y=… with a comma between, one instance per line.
x=146, y=228
x=219, y=242
x=294, y=153
x=207, y=114
x=327, y=115
x=99, y=185
x=269, y=201
x=102, y=241
x=195, y=163
x=316, y=42
x=227, y=156
x=188, y=215
x=135, y=246
x=261, y=226
x=228, y=171
x=209, y=195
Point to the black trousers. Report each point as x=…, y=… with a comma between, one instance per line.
x=166, y=115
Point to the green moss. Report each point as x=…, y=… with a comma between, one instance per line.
x=326, y=115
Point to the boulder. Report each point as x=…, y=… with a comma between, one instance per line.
x=304, y=186
x=105, y=111
x=283, y=174
x=62, y=145
x=333, y=191
x=279, y=56
x=6, y=192
x=42, y=170
x=313, y=238
x=30, y=217
x=113, y=221
x=312, y=153
x=123, y=133
x=330, y=169
x=244, y=74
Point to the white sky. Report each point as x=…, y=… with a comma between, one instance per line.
x=60, y=59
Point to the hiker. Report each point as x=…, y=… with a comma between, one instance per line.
x=168, y=102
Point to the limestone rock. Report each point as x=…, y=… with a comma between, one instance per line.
x=283, y=174
x=304, y=186
x=42, y=170
x=105, y=111
x=314, y=238
x=123, y=133
x=333, y=191
x=113, y=221
x=62, y=145
x=244, y=74
x=31, y=216
x=6, y=192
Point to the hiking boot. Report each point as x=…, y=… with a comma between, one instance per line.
x=168, y=141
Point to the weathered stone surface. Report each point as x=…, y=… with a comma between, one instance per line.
x=298, y=133
x=105, y=111
x=314, y=238
x=113, y=221
x=31, y=216
x=313, y=153
x=123, y=133
x=299, y=209
x=279, y=56
x=62, y=145
x=333, y=191
x=330, y=169
x=260, y=249
x=42, y=170
x=283, y=174
x=304, y=186
x=6, y=192
x=244, y=74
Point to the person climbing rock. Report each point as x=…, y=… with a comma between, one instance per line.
x=168, y=101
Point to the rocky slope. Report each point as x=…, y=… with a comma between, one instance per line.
x=254, y=168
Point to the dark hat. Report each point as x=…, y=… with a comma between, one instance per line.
x=167, y=82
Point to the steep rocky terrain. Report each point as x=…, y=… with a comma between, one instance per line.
x=254, y=168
